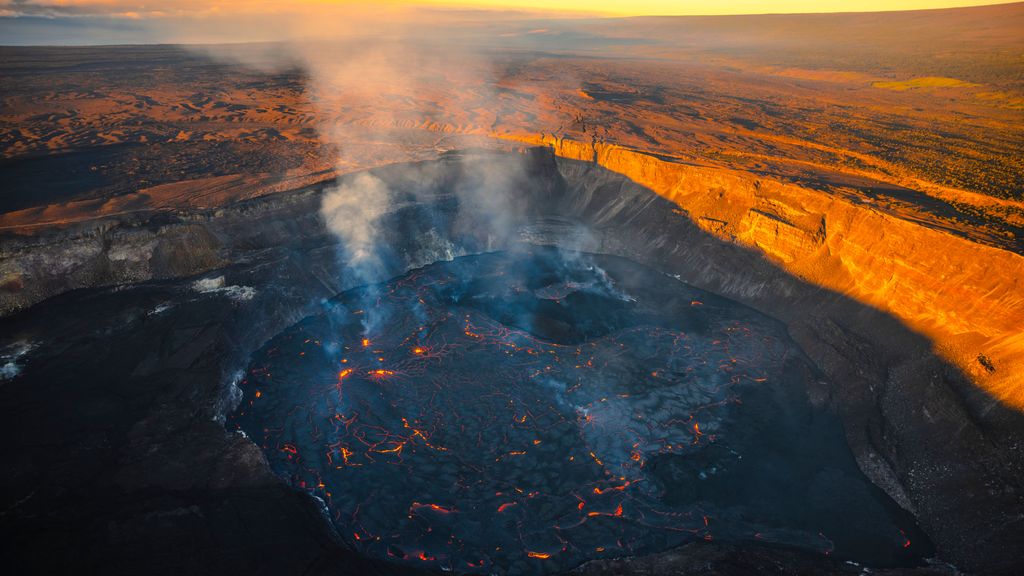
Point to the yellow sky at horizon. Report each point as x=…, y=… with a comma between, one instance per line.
x=143, y=8
x=721, y=7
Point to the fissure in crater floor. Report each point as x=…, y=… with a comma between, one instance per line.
x=523, y=412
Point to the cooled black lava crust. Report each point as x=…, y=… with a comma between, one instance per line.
x=523, y=412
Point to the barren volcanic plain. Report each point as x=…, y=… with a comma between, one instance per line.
x=828, y=209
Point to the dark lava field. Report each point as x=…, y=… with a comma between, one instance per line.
x=523, y=412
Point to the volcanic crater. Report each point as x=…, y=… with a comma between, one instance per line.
x=523, y=412
x=554, y=366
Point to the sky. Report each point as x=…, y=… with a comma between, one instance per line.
x=137, y=9
x=88, y=22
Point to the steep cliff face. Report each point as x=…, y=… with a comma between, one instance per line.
x=144, y=246
x=920, y=427
x=967, y=297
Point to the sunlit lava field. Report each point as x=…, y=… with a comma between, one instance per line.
x=523, y=412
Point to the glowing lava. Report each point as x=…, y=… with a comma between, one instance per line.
x=521, y=413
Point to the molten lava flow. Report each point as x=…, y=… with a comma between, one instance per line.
x=539, y=555
x=416, y=506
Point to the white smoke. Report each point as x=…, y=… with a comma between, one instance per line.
x=352, y=212
x=218, y=285
x=11, y=359
x=396, y=85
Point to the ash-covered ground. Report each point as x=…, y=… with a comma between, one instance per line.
x=524, y=412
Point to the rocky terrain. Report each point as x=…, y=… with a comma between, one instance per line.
x=874, y=210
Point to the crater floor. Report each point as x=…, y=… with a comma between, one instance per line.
x=523, y=412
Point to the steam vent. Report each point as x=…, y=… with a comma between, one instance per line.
x=353, y=289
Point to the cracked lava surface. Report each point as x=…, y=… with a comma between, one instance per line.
x=524, y=412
